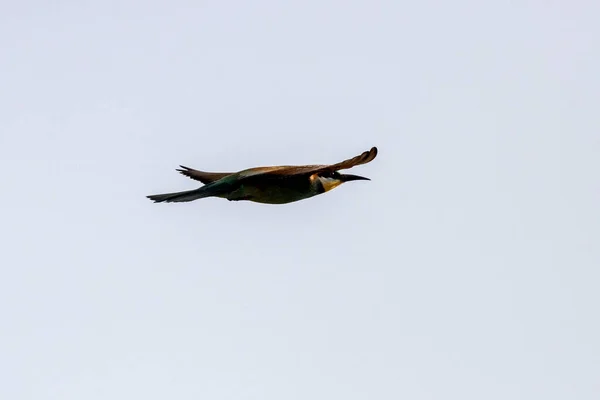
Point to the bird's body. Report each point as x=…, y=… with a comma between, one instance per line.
x=270, y=185
x=273, y=189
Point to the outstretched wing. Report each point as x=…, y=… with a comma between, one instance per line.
x=363, y=158
x=204, y=177
x=280, y=171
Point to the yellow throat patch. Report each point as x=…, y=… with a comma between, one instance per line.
x=329, y=183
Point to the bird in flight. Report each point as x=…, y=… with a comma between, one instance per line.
x=270, y=185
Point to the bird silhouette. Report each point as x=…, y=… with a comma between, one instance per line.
x=270, y=185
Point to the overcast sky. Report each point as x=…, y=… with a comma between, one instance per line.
x=468, y=268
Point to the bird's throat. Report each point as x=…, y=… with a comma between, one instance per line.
x=329, y=183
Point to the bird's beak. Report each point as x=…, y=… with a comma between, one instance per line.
x=348, y=178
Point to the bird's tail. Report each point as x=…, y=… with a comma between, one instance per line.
x=212, y=189
x=218, y=189
x=179, y=197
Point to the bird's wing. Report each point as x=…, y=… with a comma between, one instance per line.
x=363, y=158
x=204, y=177
x=280, y=171
x=248, y=173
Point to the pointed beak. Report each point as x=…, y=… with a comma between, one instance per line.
x=348, y=178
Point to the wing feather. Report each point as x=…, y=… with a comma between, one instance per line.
x=363, y=158
x=204, y=177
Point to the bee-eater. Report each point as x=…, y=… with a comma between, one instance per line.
x=271, y=185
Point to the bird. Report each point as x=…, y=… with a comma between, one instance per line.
x=268, y=185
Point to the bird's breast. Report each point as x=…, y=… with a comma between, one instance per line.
x=275, y=191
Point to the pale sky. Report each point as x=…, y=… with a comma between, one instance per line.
x=468, y=268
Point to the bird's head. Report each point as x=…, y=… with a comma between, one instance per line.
x=331, y=180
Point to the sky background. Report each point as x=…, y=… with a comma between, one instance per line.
x=468, y=268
